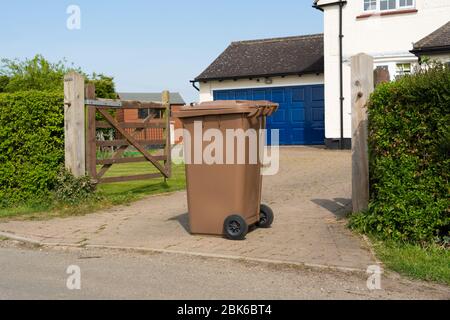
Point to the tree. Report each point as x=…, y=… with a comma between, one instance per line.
x=40, y=74
x=104, y=86
x=33, y=74
x=4, y=80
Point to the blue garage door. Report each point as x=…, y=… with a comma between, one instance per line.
x=300, y=117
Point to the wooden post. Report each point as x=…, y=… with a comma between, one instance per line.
x=362, y=87
x=168, y=149
x=91, y=139
x=74, y=124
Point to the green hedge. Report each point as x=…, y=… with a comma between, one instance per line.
x=31, y=144
x=409, y=158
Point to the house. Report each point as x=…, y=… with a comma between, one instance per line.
x=134, y=115
x=310, y=75
x=435, y=46
x=384, y=29
x=287, y=70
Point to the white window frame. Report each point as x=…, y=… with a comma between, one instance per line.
x=397, y=7
x=413, y=6
x=401, y=71
x=371, y=10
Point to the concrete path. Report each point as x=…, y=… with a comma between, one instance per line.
x=310, y=197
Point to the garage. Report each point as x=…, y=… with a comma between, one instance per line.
x=300, y=118
x=289, y=71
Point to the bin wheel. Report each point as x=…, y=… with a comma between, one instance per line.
x=235, y=228
x=265, y=217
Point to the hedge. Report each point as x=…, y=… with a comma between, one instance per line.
x=409, y=158
x=31, y=144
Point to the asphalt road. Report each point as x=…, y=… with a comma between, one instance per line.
x=36, y=273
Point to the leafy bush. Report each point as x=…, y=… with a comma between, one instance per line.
x=71, y=190
x=33, y=74
x=104, y=86
x=32, y=126
x=409, y=158
x=4, y=80
x=40, y=74
x=31, y=144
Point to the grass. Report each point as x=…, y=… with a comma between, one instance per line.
x=126, y=192
x=430, y=263
x=107, y=195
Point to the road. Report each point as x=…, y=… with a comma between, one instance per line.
x=40, y=273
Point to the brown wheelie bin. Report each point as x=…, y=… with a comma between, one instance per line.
x=224, y=197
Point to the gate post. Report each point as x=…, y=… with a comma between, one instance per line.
x=91, y=147
x=362, y=87
x=167, y=138
x=74, y=124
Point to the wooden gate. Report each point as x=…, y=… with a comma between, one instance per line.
x=102, y=114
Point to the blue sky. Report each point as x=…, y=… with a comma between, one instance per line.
x=147, y=45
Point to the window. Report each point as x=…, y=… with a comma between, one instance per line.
x=403, y=68
x=144, y=113
x=406, y=3
x=370, y=5
x=388, y=5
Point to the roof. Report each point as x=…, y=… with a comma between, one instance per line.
x=318, y=4
x=175, y=97
x=268, y=57
x=438, y=41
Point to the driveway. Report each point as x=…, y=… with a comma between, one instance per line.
x=310, y=197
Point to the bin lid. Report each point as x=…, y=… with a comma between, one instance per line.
x=253, y=108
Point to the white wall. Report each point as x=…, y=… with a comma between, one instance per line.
x=387, y=38
x=393, y=34
x=443, y=57
x=207, y=89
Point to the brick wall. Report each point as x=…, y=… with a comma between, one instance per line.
x=131, y=115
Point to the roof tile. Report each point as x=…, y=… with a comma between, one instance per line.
x=268, y=57
x=437, y=39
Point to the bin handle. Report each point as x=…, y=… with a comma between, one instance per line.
x=272, y=110
x=255, y=113
x=263, y=111
x=267, y=111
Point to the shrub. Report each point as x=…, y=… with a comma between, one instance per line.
x=40, y=74
x=32, y=126
x=4, y=80
x=31, y=144
x=104, y=86
x=71, y=190
x=409, y=158
x=33, y=74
